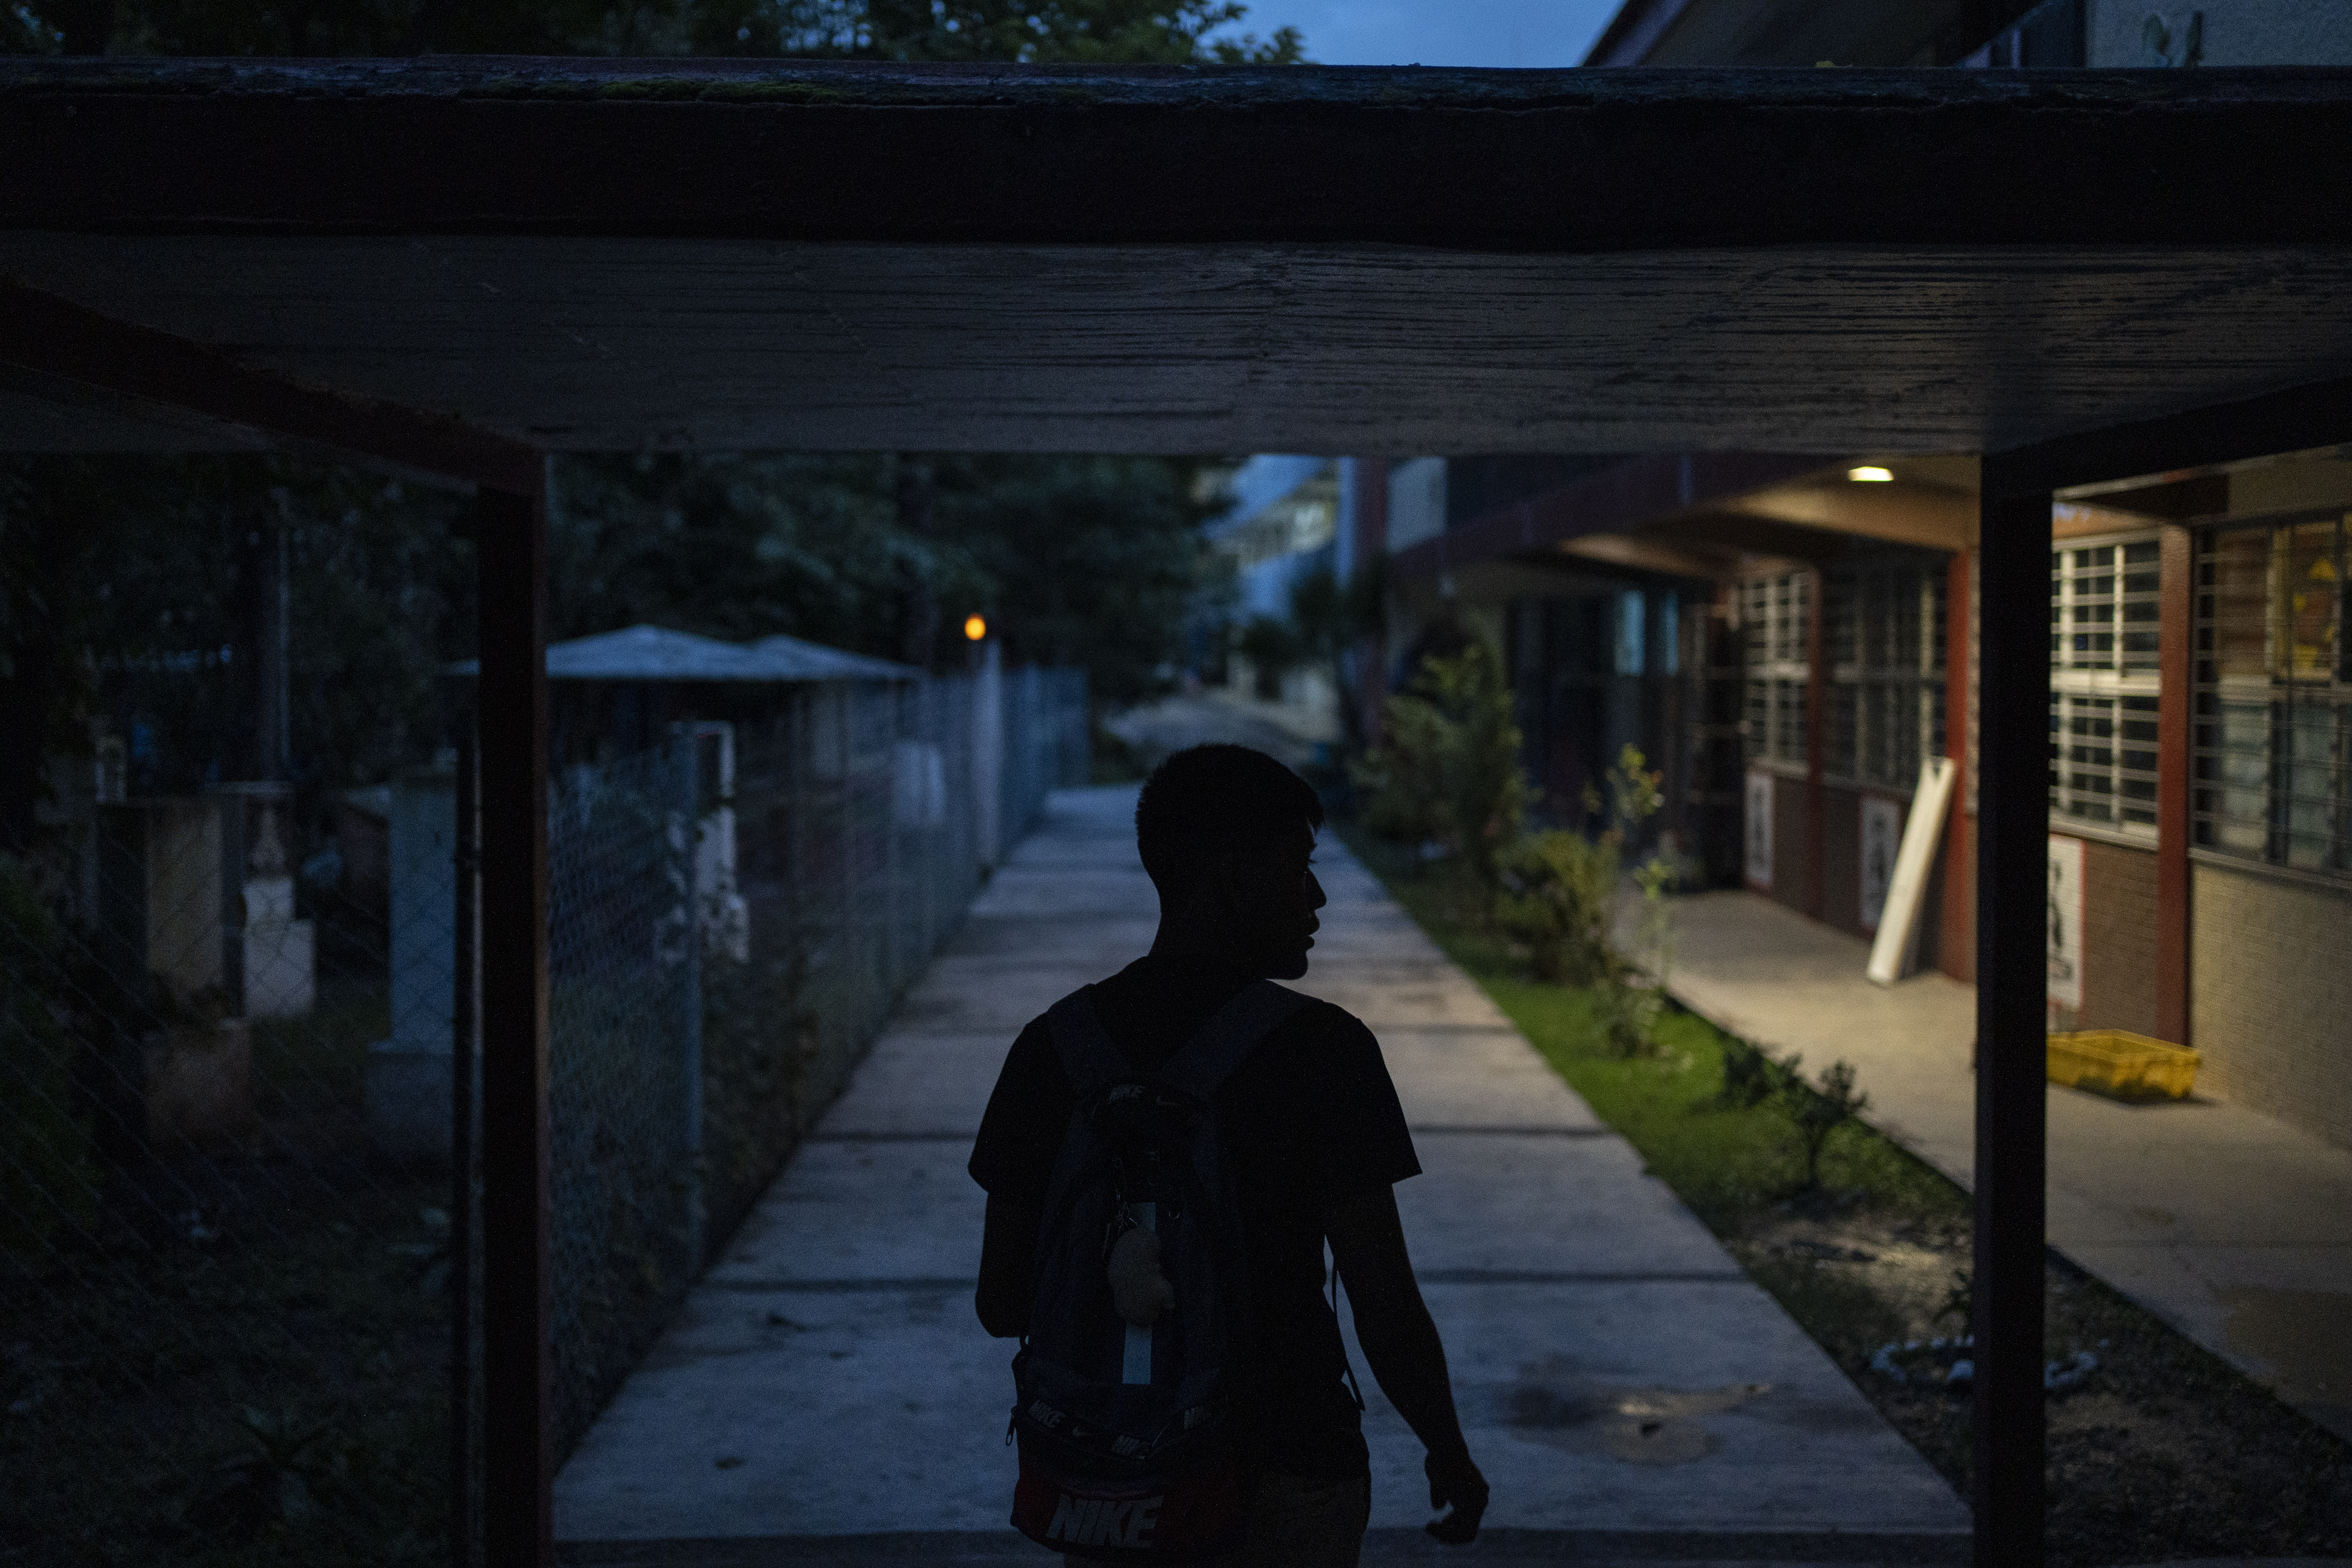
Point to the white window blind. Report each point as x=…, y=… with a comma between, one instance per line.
x=2103, y=683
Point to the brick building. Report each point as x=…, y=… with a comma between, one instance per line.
x=1789, y=635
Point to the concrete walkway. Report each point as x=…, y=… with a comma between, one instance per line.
x=2230, y=1226
x=826, y=1394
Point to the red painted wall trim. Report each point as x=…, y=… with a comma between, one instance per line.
x=2176, y=634
x=1817, y=696
x=1956, y=953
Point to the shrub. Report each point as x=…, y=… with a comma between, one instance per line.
x=1555, y=901
x=1448, y=767
x=1816, y=1110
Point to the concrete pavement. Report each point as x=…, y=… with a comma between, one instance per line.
x=2230, y=1226
x=827, y=1395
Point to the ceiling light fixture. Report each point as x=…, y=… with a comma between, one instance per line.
x=1870, y=474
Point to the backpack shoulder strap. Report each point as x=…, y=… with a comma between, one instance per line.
x=1203, y=1063
x=1088, y=1058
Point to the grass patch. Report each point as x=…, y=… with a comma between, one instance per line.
x=1725, y=1162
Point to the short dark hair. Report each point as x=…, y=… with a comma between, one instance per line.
x=1205, y=800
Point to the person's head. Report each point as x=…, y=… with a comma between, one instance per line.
x=1226, y=834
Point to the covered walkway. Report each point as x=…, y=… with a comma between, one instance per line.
x=828, y=1395
x=2226, y=1223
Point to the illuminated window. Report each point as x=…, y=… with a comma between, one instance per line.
x=2274, y=723
x=1773, y=613
x=1887, y=670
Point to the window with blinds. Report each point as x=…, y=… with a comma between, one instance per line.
x=1886, y=632
x=2273, y=721
x=1772, y=615
x=2104, y=684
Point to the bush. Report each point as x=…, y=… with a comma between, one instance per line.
x=1555, y=901
x=1448, y=767
x=1752, y=1076
x=1819, y=1110
x=49, y=1175
x=1556, y=889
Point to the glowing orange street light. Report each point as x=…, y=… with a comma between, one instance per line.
x=974, y=628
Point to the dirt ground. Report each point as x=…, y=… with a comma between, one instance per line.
x=2162, y=1452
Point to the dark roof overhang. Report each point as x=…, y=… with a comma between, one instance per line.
x=457, y=264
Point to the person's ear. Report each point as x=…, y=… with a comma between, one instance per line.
x=1227, y=883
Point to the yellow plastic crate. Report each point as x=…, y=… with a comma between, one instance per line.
x=2119, y=1063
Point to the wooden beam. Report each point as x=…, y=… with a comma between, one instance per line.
x=52, y=342
x=1557, y=160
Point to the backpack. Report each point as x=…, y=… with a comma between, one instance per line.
x=1126, y=1454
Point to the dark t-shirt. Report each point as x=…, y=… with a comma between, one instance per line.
x=1309, y=1118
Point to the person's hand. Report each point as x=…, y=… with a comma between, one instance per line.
x=1453, y=1480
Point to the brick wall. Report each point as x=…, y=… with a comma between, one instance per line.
x=2119, y=916
x=2271, y=996
x=1841, y=859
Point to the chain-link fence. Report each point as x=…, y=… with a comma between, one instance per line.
x=226, y=1111
x=225, y=1328
x=1047, y=741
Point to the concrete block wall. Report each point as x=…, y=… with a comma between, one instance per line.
x=2271, y=995
x=2119, y=925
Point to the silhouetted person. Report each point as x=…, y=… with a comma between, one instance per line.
x=1313, y=1139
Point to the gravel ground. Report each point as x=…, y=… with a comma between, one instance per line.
x=2162, y=1452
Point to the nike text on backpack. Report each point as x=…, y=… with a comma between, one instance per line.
x=1125, y=1449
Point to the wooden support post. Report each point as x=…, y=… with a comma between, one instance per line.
x=2013, y=857
x=518, y=1365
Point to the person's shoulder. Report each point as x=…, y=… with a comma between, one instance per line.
x=1324, y=1023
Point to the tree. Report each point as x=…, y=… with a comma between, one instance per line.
x=1447, y=766
x=1093, y=32
x=1088, y=561
x=1102, y=32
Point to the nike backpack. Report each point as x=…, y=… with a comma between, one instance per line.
x=1126, y=1454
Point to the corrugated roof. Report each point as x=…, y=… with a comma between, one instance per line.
x=814, y=661
x=657, y=653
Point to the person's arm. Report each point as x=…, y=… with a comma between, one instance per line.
x=1401, y=1342
x=1008, y=1246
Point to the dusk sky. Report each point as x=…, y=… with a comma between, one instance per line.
x=1438, y=32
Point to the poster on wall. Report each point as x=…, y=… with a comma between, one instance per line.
x=2063, y=918
x=1760, y=830
x=1882, y=837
